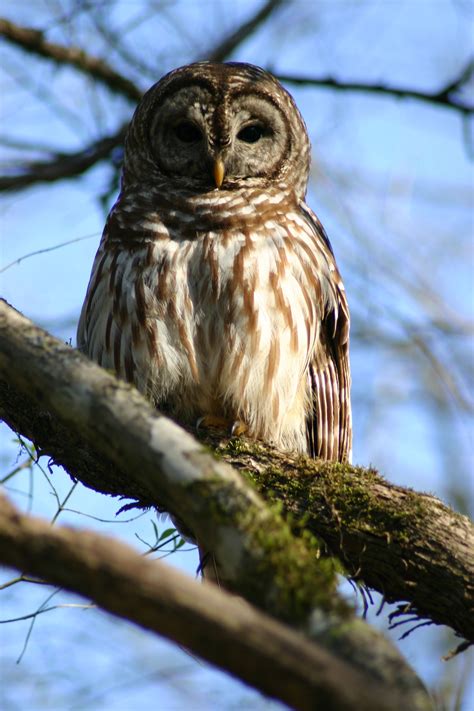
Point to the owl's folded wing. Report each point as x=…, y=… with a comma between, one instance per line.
x=329, y=422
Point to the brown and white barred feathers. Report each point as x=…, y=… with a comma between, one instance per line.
x=215, y=289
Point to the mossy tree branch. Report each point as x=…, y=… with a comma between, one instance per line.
x=45, y=383
x=408, y=546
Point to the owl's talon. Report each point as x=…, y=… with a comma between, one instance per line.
x=214, y=421
x=235, y=428
x=238, y=428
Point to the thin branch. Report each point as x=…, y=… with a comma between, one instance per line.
x=35, y=253
x=444, y=97
x=100, y=16
x=64, y=165
x=34, y=42
x=222, y=629
x=42, y=608
x=464, y=76
x=26, y=145
x=226, y=46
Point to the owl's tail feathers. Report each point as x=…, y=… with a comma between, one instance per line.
x=208, y=567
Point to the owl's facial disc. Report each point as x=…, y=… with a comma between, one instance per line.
x=220, y=141
x=260, y=138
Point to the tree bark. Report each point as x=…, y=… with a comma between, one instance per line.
x=223, y=629
x=50, y=385
x=408, y=546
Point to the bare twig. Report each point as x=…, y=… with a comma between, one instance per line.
x=33, y=41
x=45, y=250
x=444, y=97
x=226, y=46
x=64, y=165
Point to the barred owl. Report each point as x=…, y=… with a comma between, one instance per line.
x=215, y=289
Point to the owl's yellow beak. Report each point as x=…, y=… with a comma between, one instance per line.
x=218, y=172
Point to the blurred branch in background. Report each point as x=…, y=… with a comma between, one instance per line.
x=225, y=47
x=67, y=166
x=33, y=41
x=64, y=165
x=74, y=164
x=446, y=96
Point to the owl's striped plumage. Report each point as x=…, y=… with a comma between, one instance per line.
x=215, y=289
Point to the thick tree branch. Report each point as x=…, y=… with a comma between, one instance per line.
x=257, y=553
x=223, y=629
x=33, y=41
x=408, y=546
x=174, y=470
x=400, y=542
x=391, y=538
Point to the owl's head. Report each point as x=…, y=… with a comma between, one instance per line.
x=209, y=126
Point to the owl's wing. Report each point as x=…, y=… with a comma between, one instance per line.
x=104, y=329
x=329, y=423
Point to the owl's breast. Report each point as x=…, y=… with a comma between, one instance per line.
x=233, y=322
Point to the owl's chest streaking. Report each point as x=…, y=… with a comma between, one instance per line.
x=216, y=321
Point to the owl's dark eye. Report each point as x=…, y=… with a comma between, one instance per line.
x=251, y=133
x=187, y=132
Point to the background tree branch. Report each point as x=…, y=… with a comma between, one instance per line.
x=64, y=165
x=393, y=539
x=446, y=96
x=229, y=44
x=34, y=42
x=76, y=163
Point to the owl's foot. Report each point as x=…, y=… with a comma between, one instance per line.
x=234, y=428
x=213, y=422
x=238, y=428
